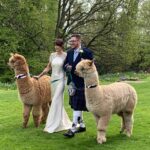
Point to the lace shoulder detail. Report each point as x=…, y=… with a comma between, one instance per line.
x=65, y=54
x=51, y=57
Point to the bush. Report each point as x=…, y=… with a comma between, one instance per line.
x=114, y=77
x=8, y=86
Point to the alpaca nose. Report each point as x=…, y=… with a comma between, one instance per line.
x=8, y=64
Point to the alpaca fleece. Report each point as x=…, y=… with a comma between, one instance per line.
x=105, y=100
x=35, y=94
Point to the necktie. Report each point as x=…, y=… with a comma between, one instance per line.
x=75, y=54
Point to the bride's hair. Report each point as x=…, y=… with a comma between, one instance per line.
x=59, y=42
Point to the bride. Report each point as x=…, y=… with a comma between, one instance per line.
x=57, y=119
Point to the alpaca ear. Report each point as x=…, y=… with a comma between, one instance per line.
x=16, y=55
x=82, y=59
x=11, y=54
x=91, y=62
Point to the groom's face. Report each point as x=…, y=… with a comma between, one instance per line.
x=75, y=42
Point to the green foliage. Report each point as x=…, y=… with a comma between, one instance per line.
x=117, y=32
x=27, y=27
x=144, y=30
x=120, y=47
x=127, y=37
x=114, y=77
x=113, y=35
x=37, y=61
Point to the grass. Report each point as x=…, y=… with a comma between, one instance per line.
x=14, y=137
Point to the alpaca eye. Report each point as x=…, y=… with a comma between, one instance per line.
x=82, y=68
x=12, y=61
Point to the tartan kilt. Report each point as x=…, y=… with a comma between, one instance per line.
x=77, y=101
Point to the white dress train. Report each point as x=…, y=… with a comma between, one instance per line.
x=57, y=119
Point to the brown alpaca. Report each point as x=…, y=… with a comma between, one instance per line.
x=35, y=94
x=103, y=101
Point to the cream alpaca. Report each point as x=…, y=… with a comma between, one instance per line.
x=105, y=100
x=35, y=94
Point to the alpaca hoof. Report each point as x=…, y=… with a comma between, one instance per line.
x=24, y=126
x=36, y=126
x=128, y=133
x=121, y=131
x=101, y=140
x=43, y=122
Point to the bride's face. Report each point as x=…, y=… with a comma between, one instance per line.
x=58, y=48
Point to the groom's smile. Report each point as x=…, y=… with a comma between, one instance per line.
x=74, y=42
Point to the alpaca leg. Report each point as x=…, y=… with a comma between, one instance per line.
x=26, y=114
x=102, y=125
x=128, y=118
x=45, y=110
x=37, y=113
x=97, y=119
x=122, y=123
x=128, y=115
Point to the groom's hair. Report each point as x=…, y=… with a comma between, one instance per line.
x=78, y=36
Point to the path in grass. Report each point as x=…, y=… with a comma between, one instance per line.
x=14, y=137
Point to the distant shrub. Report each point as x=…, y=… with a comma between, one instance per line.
x=7, y=86
x=113, y=77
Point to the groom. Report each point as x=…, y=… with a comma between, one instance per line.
x=77, y=102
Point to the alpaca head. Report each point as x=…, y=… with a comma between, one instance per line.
x=84, y=67
x=16, y=61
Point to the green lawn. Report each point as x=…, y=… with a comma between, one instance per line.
x=14, y=137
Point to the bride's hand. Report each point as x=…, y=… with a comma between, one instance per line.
x=36, y=77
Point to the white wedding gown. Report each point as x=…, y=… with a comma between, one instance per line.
x=57, y=119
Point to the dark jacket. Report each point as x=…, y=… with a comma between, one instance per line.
x=87, y=54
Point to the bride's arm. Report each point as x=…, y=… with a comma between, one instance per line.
x=45, y=71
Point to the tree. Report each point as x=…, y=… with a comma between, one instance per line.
x=74, y=15
x=27, y=27
x=144, y=30
x=107, y=27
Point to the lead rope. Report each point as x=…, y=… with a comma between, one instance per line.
x=69, y=75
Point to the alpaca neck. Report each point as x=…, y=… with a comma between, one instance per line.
x=23, y=83
x=91, y=79
x=91, y=88
x=22, y=69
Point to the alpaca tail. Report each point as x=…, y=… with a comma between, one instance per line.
x=134, y=96
x=132, y=100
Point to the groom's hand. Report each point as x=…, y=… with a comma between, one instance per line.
x=68, y=68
